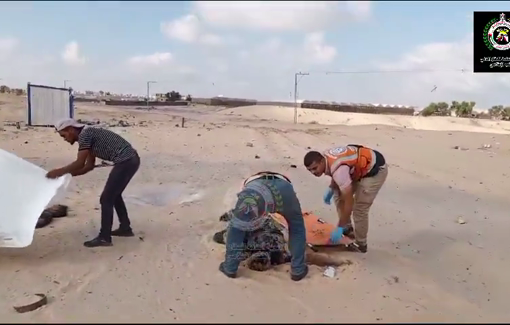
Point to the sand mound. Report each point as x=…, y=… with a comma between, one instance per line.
x=306, y=115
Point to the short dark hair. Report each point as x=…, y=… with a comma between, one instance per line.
x=311, y=157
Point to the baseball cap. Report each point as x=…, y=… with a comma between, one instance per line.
x=67, y=122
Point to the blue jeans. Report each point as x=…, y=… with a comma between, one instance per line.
x=287, y=204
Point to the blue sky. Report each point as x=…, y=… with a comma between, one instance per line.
x=250, y=49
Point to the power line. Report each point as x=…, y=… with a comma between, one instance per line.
x=302, y=74
x=391, y=71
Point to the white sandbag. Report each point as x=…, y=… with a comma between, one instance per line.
x=24, y=194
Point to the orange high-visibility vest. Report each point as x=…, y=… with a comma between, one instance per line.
x=360, y=160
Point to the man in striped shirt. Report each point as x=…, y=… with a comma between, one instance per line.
x=107, y=145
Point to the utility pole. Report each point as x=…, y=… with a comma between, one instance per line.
x=148, y=91
x=295, y=92
x=65, y=83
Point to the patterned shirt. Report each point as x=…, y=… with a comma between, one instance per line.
x=105, y=144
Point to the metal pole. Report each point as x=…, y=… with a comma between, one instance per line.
x=295, y=93
x=148, y=91
x=295, y=98
x=65, y=83
x=148, y=85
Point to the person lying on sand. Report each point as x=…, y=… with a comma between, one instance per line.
x=357, y=174
x=263, y=247
x=262, y=194
x=107, y=145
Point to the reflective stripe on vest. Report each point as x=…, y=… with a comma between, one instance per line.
x=350, y=156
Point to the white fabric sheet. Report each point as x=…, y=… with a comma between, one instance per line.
x=24, y=194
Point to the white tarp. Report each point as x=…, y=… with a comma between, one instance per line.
x=24, y=194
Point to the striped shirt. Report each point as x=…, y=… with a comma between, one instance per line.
x=105, y=144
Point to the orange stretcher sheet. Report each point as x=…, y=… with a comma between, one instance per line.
x=318, y=231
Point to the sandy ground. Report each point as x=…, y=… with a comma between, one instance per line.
x=422, y=266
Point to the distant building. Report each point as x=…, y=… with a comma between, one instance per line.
x=161, y=97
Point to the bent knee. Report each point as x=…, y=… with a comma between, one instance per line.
x=106, y=198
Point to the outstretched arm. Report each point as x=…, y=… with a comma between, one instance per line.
x=346, y=205
x=89, y=165
x=73, y=167
x=342, y=179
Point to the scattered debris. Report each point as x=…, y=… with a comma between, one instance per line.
x=329, y=272
x=393, y=279
x=112, y=123
x=122, y=124
x=11, y=123
x=461, y=220
x=31, y=303
x=257, y=157
x=460, y=148
x=249, y=144
x=293, y=166
x=182, y=122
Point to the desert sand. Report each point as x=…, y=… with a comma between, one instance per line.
x=422, y=265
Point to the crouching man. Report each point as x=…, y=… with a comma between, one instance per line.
x=262, y=194
x=264, y=247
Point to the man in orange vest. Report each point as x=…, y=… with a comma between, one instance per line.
x=357, y=174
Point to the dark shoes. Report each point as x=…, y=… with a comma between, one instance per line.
x=294, y=277
x=298, y=277
x=98, y=242
x=123, y=232
x=357, y=248
x=222, y=270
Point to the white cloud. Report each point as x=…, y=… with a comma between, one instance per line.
x=312, y=51
x=188, y=29
x=7, y=44
x=279, y=15
x=71, y=54
x=359, y=9
x=211, y=39
x=486, y=89
x=151, y=60
x=7, y=47
x=317, y=50
x=262, y=65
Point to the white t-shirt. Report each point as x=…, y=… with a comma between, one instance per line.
x=342, y=177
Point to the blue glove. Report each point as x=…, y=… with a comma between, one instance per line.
x=328, y=195
x=336, y=235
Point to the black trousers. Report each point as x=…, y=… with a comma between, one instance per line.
x=111, y=198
